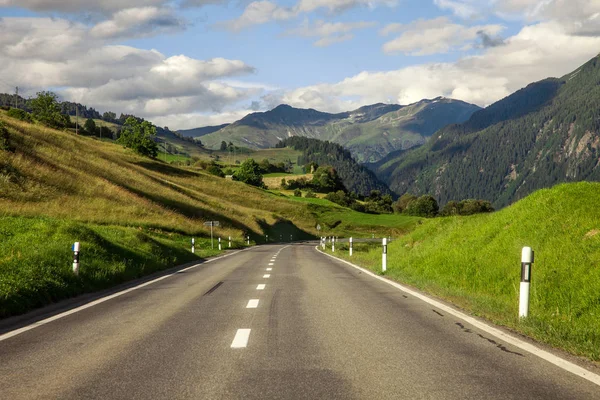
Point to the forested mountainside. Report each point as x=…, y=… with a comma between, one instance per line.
x=546, y=133
x=356, y=177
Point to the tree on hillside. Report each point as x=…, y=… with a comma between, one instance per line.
x=223, y=145
x=139, y=136
x=249, y=173
x=90, y=126
x=46, y=109
x=326, y=179
x=403, y=202
x=424, y=206
x=109, y=116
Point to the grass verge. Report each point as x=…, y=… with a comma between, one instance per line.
x=36, y=258
x=474, y=262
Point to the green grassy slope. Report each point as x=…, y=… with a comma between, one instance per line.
x=133, y=215
x=475, y=263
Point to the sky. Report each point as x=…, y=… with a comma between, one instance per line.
x=190, y=63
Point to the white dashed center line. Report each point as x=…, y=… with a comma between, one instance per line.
x=241, y=339
x=269, y=269
x=271, y=264
x=266, y=275
x=261, y=287
x=252, y=303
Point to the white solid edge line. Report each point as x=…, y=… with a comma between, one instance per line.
x=266, y=275
x=252, y=303
x=559, y=362
x=261, y=286
x=241, y=339
x=16, y=332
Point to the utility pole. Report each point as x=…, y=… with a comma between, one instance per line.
x=76, y=120
x=17, y=97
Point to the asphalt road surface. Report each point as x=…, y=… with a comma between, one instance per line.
x=272, y=322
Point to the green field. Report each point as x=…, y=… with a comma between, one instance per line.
x=474, y=262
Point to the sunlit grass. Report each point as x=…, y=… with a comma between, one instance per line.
x=475, y=263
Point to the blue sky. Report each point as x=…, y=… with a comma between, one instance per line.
x=214, y=61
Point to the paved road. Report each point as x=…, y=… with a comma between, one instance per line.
x=320, y=330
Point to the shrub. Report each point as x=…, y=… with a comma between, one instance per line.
x=215, y=170
x=403, y=202
x=249, y=173
x=19, y=114
x=424, y=206
x=298, y=193
x=467, y=207
x=4, y=138
x=139, y=136
x=310, y=195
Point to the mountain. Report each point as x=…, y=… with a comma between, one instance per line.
x=370, y=132
x=546, y=133
x=199, y=132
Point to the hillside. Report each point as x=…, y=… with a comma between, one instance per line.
x=356, y=177
x=544, y=134
x=474, y=262
x=133, y=215
x=370, y=132
x=199, y=132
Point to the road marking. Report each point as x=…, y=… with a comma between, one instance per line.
x=269, y=269
x=271, y=264
x=253, y=303
x=261, y=287
x=559, y=362
x=266, y=275
x=241, y=339
x=16, y=332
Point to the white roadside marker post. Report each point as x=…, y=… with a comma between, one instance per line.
x=350, y=247
x=333, y=245
x=229, y=241
x=384, y=256
x=248, y=240
x=76, y=248
x=193, y=245
x=526, y=261
x=219, y=244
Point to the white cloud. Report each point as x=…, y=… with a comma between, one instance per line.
x=440, y=35
x=195, y=120
x=462, y=8
x=139, y=22
x=535, y=53
x=75, y=6
x=328, y=32
x=260, y=12
x=83, y=68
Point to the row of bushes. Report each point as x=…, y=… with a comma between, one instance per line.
x=427, y=206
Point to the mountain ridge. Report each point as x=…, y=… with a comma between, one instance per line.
x=369, y=132
x=541, y=135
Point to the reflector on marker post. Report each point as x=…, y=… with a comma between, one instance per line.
x=350, y=246
x=384, y=256
x=193, y=245
x=219, y=243
x=527, y=256
x=248, y=240
x=229, y=241
x=76, y=248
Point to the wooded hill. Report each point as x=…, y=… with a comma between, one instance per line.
x=542, y=135
x=355, y=177
x=370, y=132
